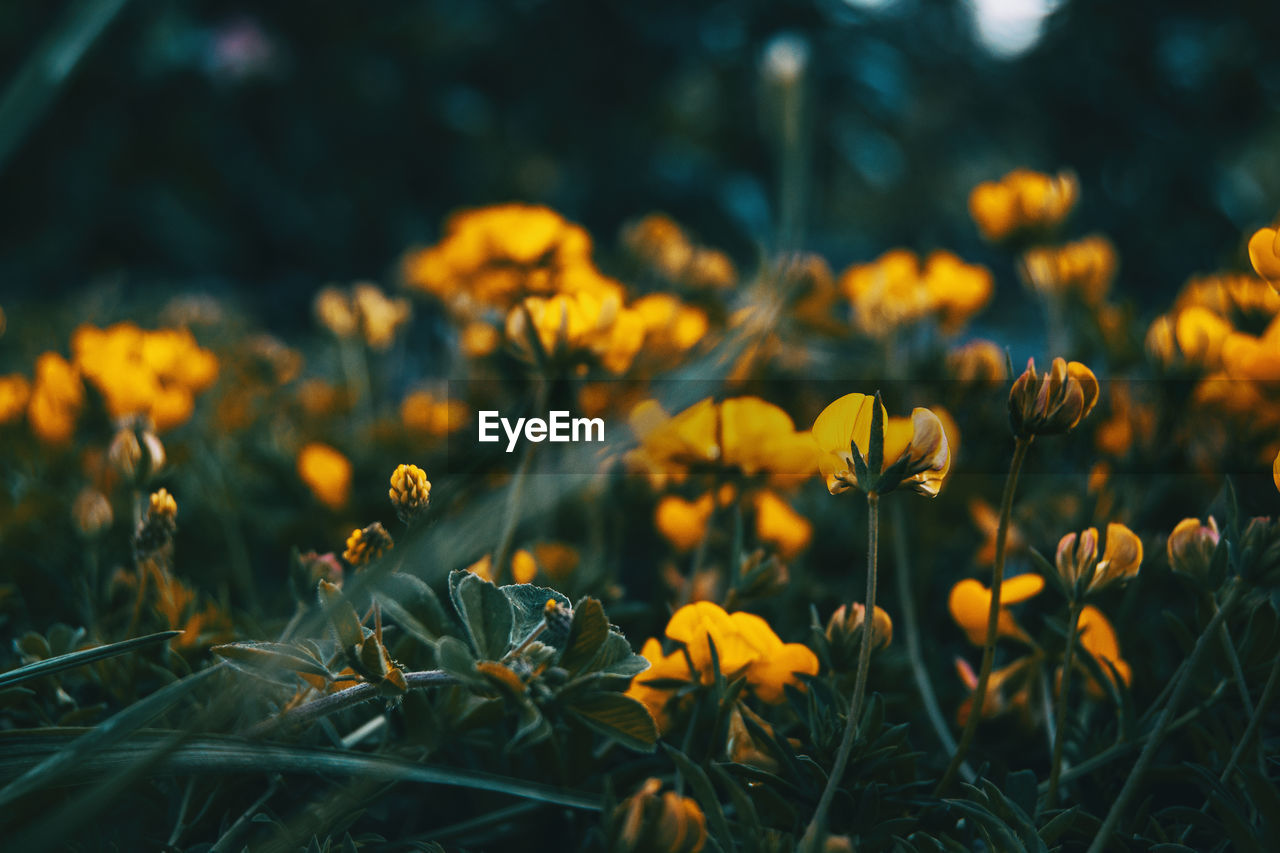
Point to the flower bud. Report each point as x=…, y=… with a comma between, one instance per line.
x=159, y=524
x=91, y=513
x=1054, y=403
x=135, y=454
x=647, y=822
x=1191, y=547
x=410, y=492
x=368, y=544
x=1084, y=572
x=845, y=631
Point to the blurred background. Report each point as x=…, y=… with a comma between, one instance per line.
x=262, y=150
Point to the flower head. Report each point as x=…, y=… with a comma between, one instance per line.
x=861, y=447
x=970, y=606
x=410, y=492
x=1085, y=268
x=365, y=545
x=1191, y=545
x=326, y=472
x=1078, y=561
x=1054, y=403
x=648, y=823
x=1022, y=201
x=1264, y=253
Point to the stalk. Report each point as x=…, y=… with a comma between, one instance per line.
x=993, y=617
x=818, y=825
x=1102, y=839
x=1064, y=694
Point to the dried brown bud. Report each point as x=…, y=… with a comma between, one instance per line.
x=91, y=512
x=1053, y=403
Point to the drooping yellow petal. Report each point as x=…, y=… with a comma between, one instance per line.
x=1020, y=588
x=846, y=420
x=698, y=625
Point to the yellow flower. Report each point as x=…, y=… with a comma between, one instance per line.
x=1078, y=562
x=845, y=627
x=1191, y=545
x=326, y=472
x=648, y=823
x=780, y=525
x=672, y=667
x=1085, y=268
x=15, y=393
x=1054, y=403
x=574, y=327
x=743, y=435
x=1022, y=200
x=670, y=326
x=524, y=568
x=56, y=399
x=744, y=644
x=911, y=451
x=1264, y=253
x=479, y=339
x=483, y=568
x=368, y=544
x=1009, y=689
x=1099, y=639
x=421, y=412
x=970, y=606
x=956, y=290
x=683, y=523
x=894, y=291
x=1247, y=357
x=1193, y=336
x=979, y=362
x=410, y=492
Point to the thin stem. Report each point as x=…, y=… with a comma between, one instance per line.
x=1102, y=839
x=906, y=604
x=1064, y=696
x=993, y=616
x=818, y=825
x=335, y=702
x=1236, y=669
x=515, y=498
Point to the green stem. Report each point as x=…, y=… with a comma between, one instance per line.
x=1102, y=839
x=515, y=498
x=1064, y=695
x=906, y=604
x=993, y=617
x=818, y=825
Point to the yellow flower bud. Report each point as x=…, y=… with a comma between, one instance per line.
x=410, y=492
x=1191, y=546
x=367, y=544
x=1053, y=403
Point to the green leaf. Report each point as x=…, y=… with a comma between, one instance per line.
x=616, y=657
x=456, y=659
x=619, y=717
x=875, y=444
x=528, y=603
x=485, y=612
x=412, y=605
x=587, y=635
x=271, y=659
x=74, y=659
x=705, y=794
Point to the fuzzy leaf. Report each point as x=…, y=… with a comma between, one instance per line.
x=528, y=603
x=587, y=636
x=272, y=658
x=485, y=612
x=412, y=605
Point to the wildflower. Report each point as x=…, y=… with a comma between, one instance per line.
x=326, y=472
x=158, y=525
x=367, y=544
x=1078, y=563
x=91, y=512
x=479, y=339
x=1022, y=201
x=135, y=453
x=410, y=492
x=1192, y=336
x=1054, y=403
x=894, y=291
x=335, y=312
x=1009, y=689
x=577, y=327
x=846, y=626
x=1246, y=356
x=422, y=412
x=970, y=605
x=1191, y=545
x=683, y=523
x=381, y=317
x=648, y=823
x=979, y=362
x=1099, y=639
x=56, y=399
x=556, y=560
x=1085, y=268
x=15, y=393
x=483, y=568
x=1264, y=253
x=780, y=525
x=670, y=326
x=861, y=447
x=742, y=435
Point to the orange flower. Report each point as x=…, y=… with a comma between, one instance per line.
x=780, y=525
x=1021, y=201
x=1099, y=639
x=56, y=399
x=683, y=523
x=914, y=451
x=327, y=473
x=970, y=605
x=1264, y=253
x=1077, y=558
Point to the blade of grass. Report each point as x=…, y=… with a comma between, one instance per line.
x=72, y=660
